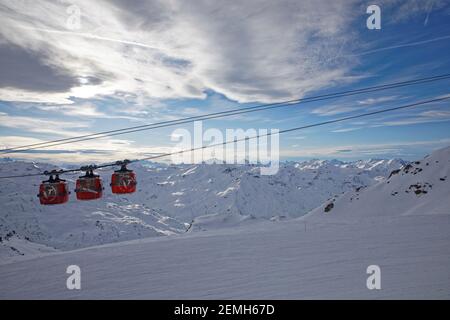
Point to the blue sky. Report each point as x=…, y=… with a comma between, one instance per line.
x=134, y=63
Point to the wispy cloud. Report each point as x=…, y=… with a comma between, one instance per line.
x=421, y=117
x=148, y=54
x=371, y=101
x=345, y=107
x=298, y=137
x=404, y=45
x=100, y=151
x=359, y=150
x=178, y=49
x=346, y=129
x=332, y=110
x=86, y=111
x=30, y=124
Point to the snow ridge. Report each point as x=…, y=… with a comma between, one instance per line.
x=173, y=199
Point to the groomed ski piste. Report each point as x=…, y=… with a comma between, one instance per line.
x=400, y=223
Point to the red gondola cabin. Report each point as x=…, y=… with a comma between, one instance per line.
x=123, y=181
x=89, y=186
x=53, y=191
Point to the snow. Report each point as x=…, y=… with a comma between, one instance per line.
x=256, y=255
x=23, y=248
x=168, y=200
x=265, y=261
x=419, y=188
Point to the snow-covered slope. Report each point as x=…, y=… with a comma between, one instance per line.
x=283, y=260
x=173, y=199
x=320, y=255
x=418, y=188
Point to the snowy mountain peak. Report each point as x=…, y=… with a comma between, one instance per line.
x=173, y=198
x=417, y=188
x=371, y=164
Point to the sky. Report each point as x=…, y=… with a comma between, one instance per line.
x=71, y=68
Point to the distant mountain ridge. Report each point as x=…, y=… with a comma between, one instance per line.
x=418, y=188
x=172, y=199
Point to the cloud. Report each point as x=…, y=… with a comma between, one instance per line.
x=436, y=114
x=100, y=151
x=422, y=117
x=85, y=111
x=160, y=49
x=298, y=137
x=14, y=141
x=334, y=109
x=404, y=45
x=142, y=52
x=353, y=151
x=370, y=101
x=331, y=110
x=18, y=64
x=346, y=129
x=400, y=10
x=16, y=94
x=249, y=51
x=30, y=124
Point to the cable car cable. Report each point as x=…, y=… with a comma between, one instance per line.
x=221, y=114
x=227, y=142
x=299, y=128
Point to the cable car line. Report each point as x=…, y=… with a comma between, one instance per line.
x=125, y=162
x=226, y=113
x=221, y=114
x=300, y=128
